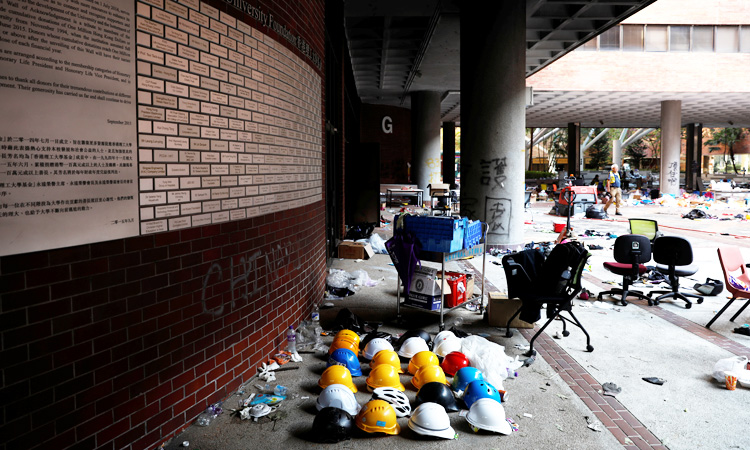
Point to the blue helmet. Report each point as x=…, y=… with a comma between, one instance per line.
x=347, y=358
x=480, y=389
x=464, y=376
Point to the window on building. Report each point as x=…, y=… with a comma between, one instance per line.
x=727, y=39
x=679, y=38
x=703, y=39
x=656, y=38
x=610, y=39
x=632, y=38
x=590, y=45
x=745, y=39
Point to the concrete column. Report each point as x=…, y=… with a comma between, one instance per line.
x=617, y=152
x=575, y=157
x=425, y=139
x=690, y=169
x=449, y=153
x=669, y=174
x=493, y=118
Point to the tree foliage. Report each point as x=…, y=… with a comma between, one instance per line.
x=636, y=153
x=726, y=137
x=599, y=152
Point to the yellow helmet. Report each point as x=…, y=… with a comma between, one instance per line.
x=343, y=343
x=384, y=375
x=337, y=375
x=347, y=334
x=386, y=357
x=428, y=374
x=421, y=359
x=378, y=416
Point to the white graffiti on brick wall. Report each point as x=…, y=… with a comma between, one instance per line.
x=250, y=279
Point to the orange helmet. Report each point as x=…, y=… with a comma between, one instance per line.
x=343, y=343
x=421, y=359
x=428, y=374
x=389, y=357
x=337, y=375
x=378, y=416
x=347, y=334
x=384, y=375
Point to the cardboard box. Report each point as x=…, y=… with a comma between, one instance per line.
x=355, y=250
x=438, y=189
x=469, y=285
x=425, y=289
x=500, y=309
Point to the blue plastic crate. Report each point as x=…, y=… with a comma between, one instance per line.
x=473, y=233
x=437, y=234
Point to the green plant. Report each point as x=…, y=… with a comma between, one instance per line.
x=599, y=151
x=636, y=152
x=726, y=137
x=536, y=174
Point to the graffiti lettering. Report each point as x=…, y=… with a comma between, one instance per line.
x=493, y=172
x=673, y=172
x=433, y=163
x=498, y=213
x=249, y=278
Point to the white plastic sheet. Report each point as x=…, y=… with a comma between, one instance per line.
x=490, y=359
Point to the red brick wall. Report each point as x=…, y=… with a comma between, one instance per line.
x=121, y=344
x=395, y=148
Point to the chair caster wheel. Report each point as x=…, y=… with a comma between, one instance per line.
x=700, y=301
x=624, y=303
x=650, y=302
x=508, y=334
x=589, y=348
x=566, y=333
x=688, y=306
x=530, y=353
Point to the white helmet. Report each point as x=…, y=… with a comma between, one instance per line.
x=374, y=346
x=443, y=335
x=430, y=419
x=396, y=398
x=412, y=346
x=338, y=396
x=448, y=345
x=488, y=414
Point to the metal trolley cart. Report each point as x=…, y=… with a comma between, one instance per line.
x=444, y=257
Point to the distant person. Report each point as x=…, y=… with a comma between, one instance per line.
x=614, y=189
x=595, y=181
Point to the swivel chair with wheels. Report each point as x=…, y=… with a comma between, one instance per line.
x=631, y=251
x=674, y=258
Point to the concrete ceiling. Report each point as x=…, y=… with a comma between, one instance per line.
x=398, y=47
x=641, y=109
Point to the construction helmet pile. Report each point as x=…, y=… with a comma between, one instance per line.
x=340, y=414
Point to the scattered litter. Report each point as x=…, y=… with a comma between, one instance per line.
x=628, y=441
x=742, y=330
x=564, y=397
x=268, y=399
x=186, y=443
x=212, y=412
x=521, y=347
x=463, y=413
x=559, y=427
x=611, y=389
x=528, y=415
x=655, y=380
x=557, y=335
x=513, y=425
x=304, y=397
x=594, y=424
x=639, y=359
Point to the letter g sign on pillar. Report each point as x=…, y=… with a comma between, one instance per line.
x=387, y=125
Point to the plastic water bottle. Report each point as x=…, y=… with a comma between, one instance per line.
x=316, y=315
x=291, y=340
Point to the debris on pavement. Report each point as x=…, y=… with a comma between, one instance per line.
x=594, y=424
x=655, y=380
x=611, y=389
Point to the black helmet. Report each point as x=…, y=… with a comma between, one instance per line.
x=413, y=333
x=710, y=287
x=375, y=334
x=437, y=392
x=333, y=425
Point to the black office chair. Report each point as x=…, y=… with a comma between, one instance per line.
x=554, y=282
x=645, y=227
x=674, y=258
x=631, y=251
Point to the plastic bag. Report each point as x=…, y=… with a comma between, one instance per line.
x=733, y=364
x=360, y=278
x=490, y=359
x=378, y=244
x=308, y=337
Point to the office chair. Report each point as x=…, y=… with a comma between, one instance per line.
x=631, y=251
x=556, y=283
x=645, y=227
x=674, y=258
